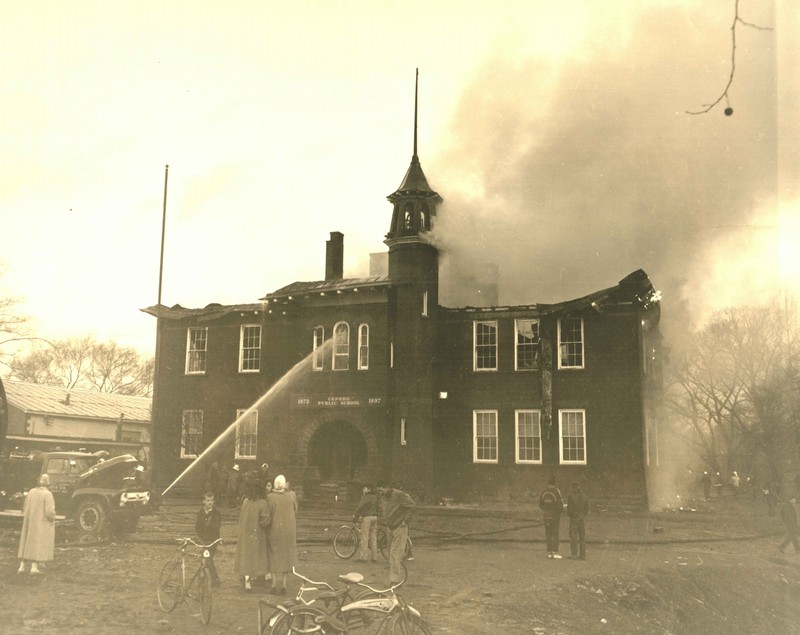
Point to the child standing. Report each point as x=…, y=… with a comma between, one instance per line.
x=207, y=526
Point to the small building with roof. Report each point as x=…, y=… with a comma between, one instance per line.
x=46, y=418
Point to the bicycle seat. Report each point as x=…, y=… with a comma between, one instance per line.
x=351, y=578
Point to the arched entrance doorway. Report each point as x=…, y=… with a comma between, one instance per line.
x=337, y=449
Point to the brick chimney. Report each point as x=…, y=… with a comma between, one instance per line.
x=334, y=257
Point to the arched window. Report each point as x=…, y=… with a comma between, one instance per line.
x=363, y=347
x=341, y=346
x=319, y=339
x=409, y=217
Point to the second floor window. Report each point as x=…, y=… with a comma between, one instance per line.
x=319, y=339
x=527, y=345
x=341, y=346
x=192, y=433
x=246, y=434
x=250, y=348
x=363, y=347
x=570, y=343
x=196, y=349
x=485, y=341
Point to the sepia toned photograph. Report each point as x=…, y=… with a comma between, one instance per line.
x=400, y=317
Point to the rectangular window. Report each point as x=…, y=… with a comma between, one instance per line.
x=529, y=436
x=192, y=434
x=572, y=436
x=363, y=347
x=424, y=304
x=484, y=435
x=485, y=345
x=246, y=434
x=319, y=338
x=250, y=348
x=527, y=349
x=196, y=349
x=391, y=354
x=570, y=343
x=402, y=432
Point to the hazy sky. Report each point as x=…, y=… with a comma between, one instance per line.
x=555, y=132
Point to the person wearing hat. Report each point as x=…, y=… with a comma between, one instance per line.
x=281, y=527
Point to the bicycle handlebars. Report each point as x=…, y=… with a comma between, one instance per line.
x=188, y=541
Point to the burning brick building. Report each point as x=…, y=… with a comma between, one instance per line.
x=454, y=402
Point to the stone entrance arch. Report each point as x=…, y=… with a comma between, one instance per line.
x=338, y=452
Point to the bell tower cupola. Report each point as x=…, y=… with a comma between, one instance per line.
x=414, y=202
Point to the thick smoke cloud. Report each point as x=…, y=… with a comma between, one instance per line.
x=571, y=173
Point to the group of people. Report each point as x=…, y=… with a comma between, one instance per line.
x=395, y=508
x=266, y=545
x=552, y=505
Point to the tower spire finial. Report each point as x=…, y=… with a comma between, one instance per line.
x=416, y=92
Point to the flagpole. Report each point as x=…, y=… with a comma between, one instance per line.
x=163, y=227
x=155, y=408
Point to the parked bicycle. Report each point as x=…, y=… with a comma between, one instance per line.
x=272, y=615
x=383, y=610
x=347, y=539
x=175, y=585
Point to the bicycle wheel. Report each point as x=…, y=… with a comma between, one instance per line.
x=406, y=623
x=198, y=595
x=169, y=586
x=345, y=542
x=301, y=619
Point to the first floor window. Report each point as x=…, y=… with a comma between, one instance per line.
x=319, y=339
x=192, y=434
x=484, y=435
x=250, y=348
x=572, y=436
x=196, y=349
x=529, y=436
x=246, y=434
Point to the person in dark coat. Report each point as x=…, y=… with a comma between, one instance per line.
x=207, y=525
x=38, y=535
x=281, y=533
x=706, y=481
x=789, y=517
x=234, y=484
x=251, y=545
x=551, y=504
x=397, y=508
x=577, y=509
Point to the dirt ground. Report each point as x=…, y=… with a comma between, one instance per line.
x=713, y=568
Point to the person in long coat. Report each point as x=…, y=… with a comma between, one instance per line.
x=281, y=533
x=37, y=540
x=251, y=547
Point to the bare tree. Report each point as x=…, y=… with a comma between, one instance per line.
x=86, y=363
x=734, y=392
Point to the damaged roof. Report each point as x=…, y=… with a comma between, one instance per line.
x=71, y=402
x=320, y=286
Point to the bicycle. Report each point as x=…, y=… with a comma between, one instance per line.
x=382, y=609
x=174, y=588
x=326, y=595
x=347, y=539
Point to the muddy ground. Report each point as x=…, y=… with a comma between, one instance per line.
x=712, y=569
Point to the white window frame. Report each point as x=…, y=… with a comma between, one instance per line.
x=476, y=414
x=191, y=433
x=318, y=339
x=562, y=346
x=475, y=344
x=194, y=354
x=246, y=344
x=252, y=416
x=518, y=344
x=561, y=448
x=537, y=429
x=363, y=347
x=340, y=355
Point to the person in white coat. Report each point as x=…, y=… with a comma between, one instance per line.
x=37, y=540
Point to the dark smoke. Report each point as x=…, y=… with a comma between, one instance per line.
x=569, y=175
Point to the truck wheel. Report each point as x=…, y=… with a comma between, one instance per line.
x=91, y=516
